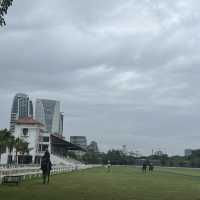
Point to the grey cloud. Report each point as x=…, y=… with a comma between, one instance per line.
x=126, y=72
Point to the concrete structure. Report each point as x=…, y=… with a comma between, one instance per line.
x=48, y=113
x=32, y=132
x=21, y=107
x=79, y=141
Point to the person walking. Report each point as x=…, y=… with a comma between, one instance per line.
x=46, y=167
x=151, y=167
x=144, y=166
x=109, y=166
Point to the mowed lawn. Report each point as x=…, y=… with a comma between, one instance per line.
x=122, y=183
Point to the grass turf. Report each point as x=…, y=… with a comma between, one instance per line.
x=122, y=183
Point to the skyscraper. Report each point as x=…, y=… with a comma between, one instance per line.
x=21, y=107
x=61, y=123
x=48, y=113
x=79, y=141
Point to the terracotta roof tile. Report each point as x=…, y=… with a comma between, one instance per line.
x=28, y=120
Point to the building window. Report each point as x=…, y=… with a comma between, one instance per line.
x=45, y=139
x=25, y=132
x=43, y=147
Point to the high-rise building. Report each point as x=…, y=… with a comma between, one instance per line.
x=48, y=113
x=79, y=141
x=21, y=107
x=61, y=121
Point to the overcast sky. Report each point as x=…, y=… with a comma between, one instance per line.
x=125, y=71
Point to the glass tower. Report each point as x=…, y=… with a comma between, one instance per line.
x=21, y=107
x=48, y=113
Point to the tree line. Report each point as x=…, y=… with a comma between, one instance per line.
x=117, y=157
x=192, y=160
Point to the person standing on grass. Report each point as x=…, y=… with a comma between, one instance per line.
x=46, y=167
x=109, y=166
x=151, y=167
x=144, y=166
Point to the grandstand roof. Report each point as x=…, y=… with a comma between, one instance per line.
x=57, y=141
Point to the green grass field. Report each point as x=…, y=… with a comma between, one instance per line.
x=122, y=183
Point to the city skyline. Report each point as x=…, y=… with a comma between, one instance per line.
x=60, y=125
x=126, y=72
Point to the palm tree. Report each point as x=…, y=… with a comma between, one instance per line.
x=2, y=142
x=6, y=141
x=10, y=142
x=21, y=147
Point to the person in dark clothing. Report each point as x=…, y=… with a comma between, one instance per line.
x=109, y=166
x=46, y=167
x=144, y=167
x=151, y=167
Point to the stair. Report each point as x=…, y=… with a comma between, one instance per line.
x=58, y=160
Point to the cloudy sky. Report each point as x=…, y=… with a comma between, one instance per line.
x=126, y=72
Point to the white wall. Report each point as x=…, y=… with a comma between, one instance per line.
x=4, y=158
x=32, y=138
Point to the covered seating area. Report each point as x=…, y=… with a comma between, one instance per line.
x=60, y=146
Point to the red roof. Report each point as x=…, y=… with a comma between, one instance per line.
x=28, y=120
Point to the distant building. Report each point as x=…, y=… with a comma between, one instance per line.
x=32, y=132
x=21, y=107
x=93, y=146
x=188, y=152
x=61, y=122
x=79, y=141
x=48, y=113
x=124, y=149
x=159, y=153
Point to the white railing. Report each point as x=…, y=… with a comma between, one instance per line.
x=7, y=166
x=30, y=172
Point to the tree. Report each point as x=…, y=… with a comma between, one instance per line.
x=117, y=157
x=91, y=158
x=2, y=142
x=6, y=141
x=4, y=5
x=10, y=142
x=20, y=147
x=71, y=154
